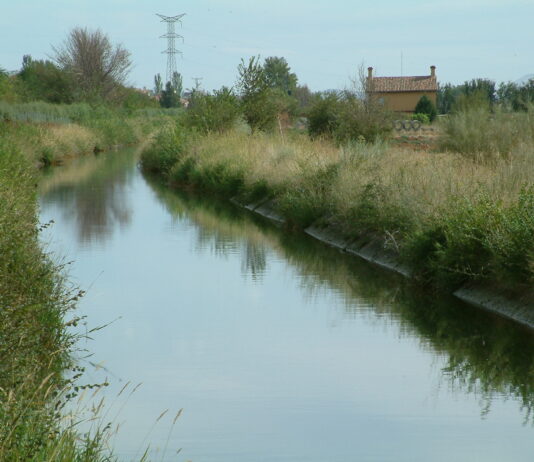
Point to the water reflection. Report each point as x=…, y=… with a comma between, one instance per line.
x=92, y=193
x=485, y=355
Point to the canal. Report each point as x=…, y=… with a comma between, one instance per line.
x=276, y=347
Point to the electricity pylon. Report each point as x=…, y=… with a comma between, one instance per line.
x=171, y=37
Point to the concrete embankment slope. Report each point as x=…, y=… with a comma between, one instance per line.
x=520, y=310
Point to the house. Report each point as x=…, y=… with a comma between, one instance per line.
x=401, y=94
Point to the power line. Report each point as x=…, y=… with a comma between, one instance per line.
x=171, y=37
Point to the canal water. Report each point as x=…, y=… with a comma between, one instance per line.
x=276, y=347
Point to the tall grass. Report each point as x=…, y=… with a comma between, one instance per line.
x=482, y=135
x=452, y=218
x=49, y=133
x=35, y=345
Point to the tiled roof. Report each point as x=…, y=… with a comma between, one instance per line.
x=393, y=84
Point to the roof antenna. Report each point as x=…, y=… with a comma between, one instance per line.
x=402, y=66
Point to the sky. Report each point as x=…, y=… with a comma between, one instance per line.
x=324, y=41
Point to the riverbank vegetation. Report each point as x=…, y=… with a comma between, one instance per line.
x=50, y=111
x=38, y=375
x=462, y=213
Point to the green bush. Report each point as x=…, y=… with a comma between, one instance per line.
x=361, y=120
x=423, y=118
x=168, y=147
x=426, y=106
x=217, y=112
x=323, y=115
x=345, y=117
x=258, y=102
x=476, y=239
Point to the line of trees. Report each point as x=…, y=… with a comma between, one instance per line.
x=476, y=92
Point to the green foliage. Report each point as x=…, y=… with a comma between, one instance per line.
x=278, y=75
x=447, y=95
x=485, y=87
x=361, y=120
x=323, y=116
x=34, y=344
x=307, y=200
x=257, y=101
x=423, y=118
x=345, y=118
x=305, y=99
x=516, y=97
x=477, y=239
x=132, y=99
x=169, y=97
x=476, y=100
x=476, y=91
x=177, y=83
x=44, y=81
x=217, y=112
x=7, y=90
x=168, y=147
x=426, y=106
x=483, y=136
x=158, y=84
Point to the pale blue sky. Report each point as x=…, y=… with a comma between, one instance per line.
x=324, y=41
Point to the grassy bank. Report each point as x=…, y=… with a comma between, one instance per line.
x=38, y=375
x=35, y=345
x=50, y=133
x=454, y=218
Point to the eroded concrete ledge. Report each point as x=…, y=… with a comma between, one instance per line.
x=373, y=250
x=497, y=302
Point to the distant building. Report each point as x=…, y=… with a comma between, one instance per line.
x=401, y=94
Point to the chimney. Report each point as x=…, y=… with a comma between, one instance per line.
x=369, y=73
x=432, y=71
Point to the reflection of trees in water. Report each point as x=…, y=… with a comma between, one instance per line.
x=98, y=202
x=254, y=260
x=253, y=254
x=485, y=355
x=207, y=216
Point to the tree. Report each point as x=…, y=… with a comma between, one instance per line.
x=257, y=102
x=44, y=81
x=304, y=97
x=177, y=83
x=517, y=97
x=481, y=86
x=96, y=66
x=426, y=106
x=278, y=75
x=158, y=84
x=217, y=112
x=169, y=97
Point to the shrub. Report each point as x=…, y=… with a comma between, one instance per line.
x=257, y=99
x=481, y=135
x=423, y=118
x=361, y=120
x=426, y=106
x=345, y=117
x=168, y=147
x=213, y=113
x=323, y=116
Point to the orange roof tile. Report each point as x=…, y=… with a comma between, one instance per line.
x=394, y=84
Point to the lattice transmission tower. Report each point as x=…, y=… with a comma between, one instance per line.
x=171, y=37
